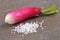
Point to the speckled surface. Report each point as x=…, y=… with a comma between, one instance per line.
x=52, y=23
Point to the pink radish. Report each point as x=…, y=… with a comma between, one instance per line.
x=25, y=13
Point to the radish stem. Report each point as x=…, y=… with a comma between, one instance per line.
x=50, y=10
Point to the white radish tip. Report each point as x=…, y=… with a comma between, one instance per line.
x=8, y=20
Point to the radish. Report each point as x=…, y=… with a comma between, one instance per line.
x=25, y=13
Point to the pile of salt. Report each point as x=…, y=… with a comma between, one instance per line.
x=28, y=27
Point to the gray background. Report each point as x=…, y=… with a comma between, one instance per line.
x=52, y=23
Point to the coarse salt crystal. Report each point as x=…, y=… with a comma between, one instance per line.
x=28, y=27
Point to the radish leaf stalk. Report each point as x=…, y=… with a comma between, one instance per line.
x=50, y=10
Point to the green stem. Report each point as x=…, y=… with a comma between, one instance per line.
x=50, y=10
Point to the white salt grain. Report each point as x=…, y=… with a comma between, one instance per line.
x=41, y=23
x=42, y=7
x=42, y=28
x=22, y=35
x=28, y=27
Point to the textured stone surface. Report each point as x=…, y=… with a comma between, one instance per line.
x=52, y=23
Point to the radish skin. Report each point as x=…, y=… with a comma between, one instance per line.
x=21, y=14
x=25, y=13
